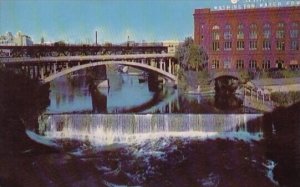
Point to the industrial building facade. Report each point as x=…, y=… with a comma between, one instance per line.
x=261, y=38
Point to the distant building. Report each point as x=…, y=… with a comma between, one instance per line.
x=172, y=45
x=258, y=38
x=7, y=39
x=18, y=40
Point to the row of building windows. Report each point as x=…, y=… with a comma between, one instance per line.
x=240, y=64
x=254, y=26
x=253, y=45
x=280, y=34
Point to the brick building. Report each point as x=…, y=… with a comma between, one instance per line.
x=260, y=38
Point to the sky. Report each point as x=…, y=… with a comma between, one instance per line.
x=76, y=21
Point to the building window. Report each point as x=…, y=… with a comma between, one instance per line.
x=280, y=34
x=267, y=26
x=253, y=31
x=294, y=65
x=266, y=45
x=280, y=64
x=253, y=26
x=227, y=26
x=240, y=45
x=227, y=32
x=227, y=35
x=227, y=64
x=240, y=35
x=253, y=35
x=215, y=64
x=294, y=33
x=216, y=35
x=253, y=45
x=215, y=46
x=227, y=45
x=280, y=46
x=239, y=64
x=280, y=25
x=266, y=64
x=216, y=27
x=267, y=34
x=295, y=45
x=252, y=64
x=240, y=26
x=295, y=25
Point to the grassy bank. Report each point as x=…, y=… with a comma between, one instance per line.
x=278, y=74
x=286, y=98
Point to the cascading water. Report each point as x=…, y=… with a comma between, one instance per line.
x=107, y=129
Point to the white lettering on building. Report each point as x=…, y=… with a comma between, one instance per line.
x=250, y=4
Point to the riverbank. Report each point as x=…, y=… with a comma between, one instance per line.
x=21, y=102
x=279, y=85
x=284, y=91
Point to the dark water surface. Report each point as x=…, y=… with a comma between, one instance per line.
x=198, y=144
x=127, y=95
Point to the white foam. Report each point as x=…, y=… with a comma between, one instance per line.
x=40, y=139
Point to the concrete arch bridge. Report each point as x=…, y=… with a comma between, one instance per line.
x=226, y=81
x=49, y=68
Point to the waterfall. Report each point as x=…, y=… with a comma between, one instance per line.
x=104, y=129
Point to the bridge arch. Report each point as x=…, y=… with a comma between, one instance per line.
x=101, y=63
x=230, y=74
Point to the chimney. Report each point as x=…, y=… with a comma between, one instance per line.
x=96, y=39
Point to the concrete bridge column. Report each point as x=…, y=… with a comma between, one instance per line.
x=161, y=64
x=42, y=72
x=45, y=67
x=153, y=63
x=54, y=68
x=27, y=70
x=33, y=72
x=37, y=73
x=170, y=66
x=170, y=107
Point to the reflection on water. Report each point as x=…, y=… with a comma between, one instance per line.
x=127, y=95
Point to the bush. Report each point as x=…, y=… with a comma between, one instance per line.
x=286, y=98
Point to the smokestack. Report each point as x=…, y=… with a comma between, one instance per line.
x=96, y=39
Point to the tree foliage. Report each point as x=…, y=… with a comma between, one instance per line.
x=191, y=56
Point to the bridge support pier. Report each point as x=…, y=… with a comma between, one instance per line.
x=161, y=64
x=153, y=82
x=54, y=68
x=170, y=66
x=42, y=74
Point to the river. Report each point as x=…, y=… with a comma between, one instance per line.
x=127, y=95
x=130, y=136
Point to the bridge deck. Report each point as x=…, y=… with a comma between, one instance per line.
x=91, y=58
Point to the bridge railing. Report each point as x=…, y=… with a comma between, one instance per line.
x=74, y=50
x=258, y=98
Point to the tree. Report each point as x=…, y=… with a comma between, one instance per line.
x=191, y=56
x=42, y=40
